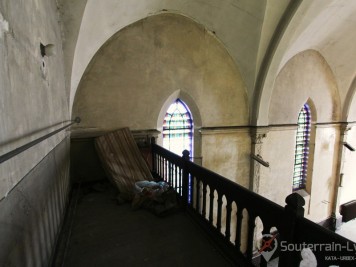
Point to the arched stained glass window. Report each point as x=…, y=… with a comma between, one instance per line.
x=302, y=148
x=178, y=128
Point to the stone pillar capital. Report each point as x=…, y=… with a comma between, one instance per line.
x=345, y=127
x=258, y=133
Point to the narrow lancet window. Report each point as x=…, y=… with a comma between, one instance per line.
x=302, y=149
x=178, y=128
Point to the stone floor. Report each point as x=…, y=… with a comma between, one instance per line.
x=99, y=232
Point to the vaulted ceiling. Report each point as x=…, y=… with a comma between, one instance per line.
x=260, y=35
x=324, y=26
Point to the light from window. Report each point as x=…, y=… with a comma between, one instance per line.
x=178, y=128
x=302, y=149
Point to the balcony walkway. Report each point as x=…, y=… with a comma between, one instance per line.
x=99, y=232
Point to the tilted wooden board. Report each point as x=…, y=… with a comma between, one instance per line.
x=122, y=161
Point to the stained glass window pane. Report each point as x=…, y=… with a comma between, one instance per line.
x=302, y=148
x=178, y=128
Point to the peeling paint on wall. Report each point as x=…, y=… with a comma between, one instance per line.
x=4, y=26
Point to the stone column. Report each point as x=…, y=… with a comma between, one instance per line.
x=344, y=128
x=257, y=136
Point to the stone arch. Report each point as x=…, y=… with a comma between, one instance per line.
x=186, y=98
x=306, y=75
x=194, y=110
x=349, y=111
x=113, y=16
x=134, y=75
x=312, y=108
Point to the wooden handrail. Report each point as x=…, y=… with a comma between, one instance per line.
x=23, y=148
x=210, y=195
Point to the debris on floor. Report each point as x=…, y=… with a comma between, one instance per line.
x=158, y=197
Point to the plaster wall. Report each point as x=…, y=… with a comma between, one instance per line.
x=276, y=181
x=306, y=75
x=32, y=213
x=228, y=154
x=140, y=67
x=71, y=14
x=32, y=95
x=237, y=24
x=317, y=25
x=278, y=150
x=273, y=13
x=350, y=107
x=324, y=173
x=348, y=190
x=324, y=26
x=33, y=102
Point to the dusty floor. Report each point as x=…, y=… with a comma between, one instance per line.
x=103, y=233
